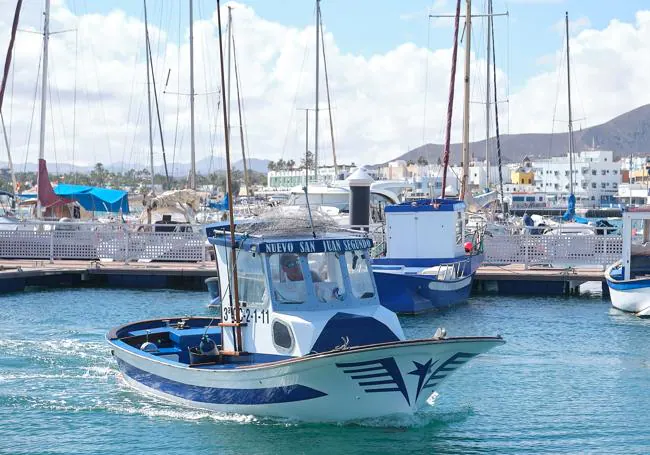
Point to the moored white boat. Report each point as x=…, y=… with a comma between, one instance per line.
x=629, y=278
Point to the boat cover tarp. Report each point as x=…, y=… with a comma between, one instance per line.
x=95, y=199
x=47, y=197
x=221, y=205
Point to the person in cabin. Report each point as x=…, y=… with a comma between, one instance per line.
x=291, y=267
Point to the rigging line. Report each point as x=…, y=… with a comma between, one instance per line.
x=450, y=103
x=559, y=68
x=178, y=90
x=327, y=90
x=426, y=82
x=496, y=105
x=101, y=101
x=31, y=119
x=295, y=98
x=74, y=103
x=12, y=40
x=130, y=109
x=212, y=128
x=49, y=100
x=155, y=95
x=241, y=126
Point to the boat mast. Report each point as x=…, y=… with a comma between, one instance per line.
x=229, y=71
x=233, y=252
x=468, y=31
x=192, y=141
x=329, y=102
x=41, y=148
x=568, y=75
x=146, y=34
x=450, y=101
x=487, y=94
x=249, y=188
x=5, y=76
x=317, y=80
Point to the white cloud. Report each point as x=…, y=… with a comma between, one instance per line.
x=379, y=101
x=575, y=25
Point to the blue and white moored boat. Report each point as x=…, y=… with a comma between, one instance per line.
x=311, y=342
x=426, y=266
x=629, y=279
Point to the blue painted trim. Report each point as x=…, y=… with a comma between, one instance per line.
x=628, y=285
x=426, y=205
x=359, y=330
x=212, y=395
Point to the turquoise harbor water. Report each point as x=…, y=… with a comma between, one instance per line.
x=573, y=377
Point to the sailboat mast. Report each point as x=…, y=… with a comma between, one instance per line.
x=228, y=70
x=450, y=101
x=568, y=75
x=317, y=80
x=329, y=101
x=487, y=94
x=192, y=141
x=146, y=33
x=234, y=287
x=5, y=76
x=41, y=148
x=468, y=31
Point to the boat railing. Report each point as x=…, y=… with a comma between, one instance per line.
x=124, y=242
x=451, y=271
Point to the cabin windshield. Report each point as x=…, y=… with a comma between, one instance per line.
x=250, y=278
x=360, y=274
x=325, y=271
x=287, y=276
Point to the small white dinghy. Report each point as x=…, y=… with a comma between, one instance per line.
x=304, y=337
x=629, y=278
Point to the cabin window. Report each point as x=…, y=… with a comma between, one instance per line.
x=325, y=271
x=459, y=228
x=360, y=274
x=250, y=278
x=287, y=277
x=282, y=336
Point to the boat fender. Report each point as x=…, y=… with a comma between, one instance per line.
x=148, y=346
x=207, y=346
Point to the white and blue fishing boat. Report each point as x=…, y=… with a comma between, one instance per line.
x=303, y=336
x=426, y=265
x=629, y=278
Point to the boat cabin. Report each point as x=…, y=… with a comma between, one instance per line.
x=636, y=243
x=425, y=229
x=300, y=294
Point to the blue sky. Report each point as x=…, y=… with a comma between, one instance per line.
x=365, y=27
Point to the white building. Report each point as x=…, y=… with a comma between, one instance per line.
x=596, y=178
x=289, y=178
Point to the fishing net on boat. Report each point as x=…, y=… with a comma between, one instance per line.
x=288, y=221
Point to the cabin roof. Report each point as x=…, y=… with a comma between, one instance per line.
x=427, y=205
x=218, y=234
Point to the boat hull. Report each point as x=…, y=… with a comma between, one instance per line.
x=364, y=382
x=406, y=293
x=631, y=296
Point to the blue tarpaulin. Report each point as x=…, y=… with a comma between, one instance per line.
x=95, y=199
x=223, y=205
x=571, y=208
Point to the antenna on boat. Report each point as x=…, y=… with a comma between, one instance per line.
x=234, y=285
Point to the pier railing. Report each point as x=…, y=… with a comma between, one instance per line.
x=98, y=241
x=559, y=250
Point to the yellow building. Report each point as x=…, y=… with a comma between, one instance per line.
x=523, y=176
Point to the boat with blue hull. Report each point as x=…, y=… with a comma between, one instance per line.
x=304, y=337
x=426, y=265
x=629, y=279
